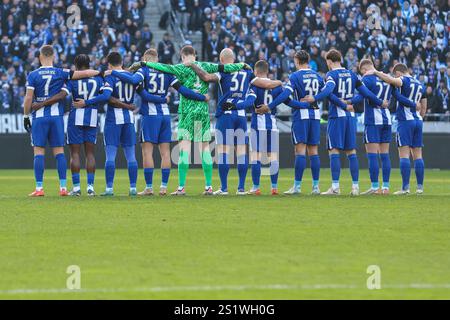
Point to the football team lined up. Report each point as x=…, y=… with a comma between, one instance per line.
x=240, y=89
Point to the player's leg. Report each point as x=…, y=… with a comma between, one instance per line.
x=354, y=171
x=56, y=139
x=165, y=138
x=111, y=140
x=164, y=150
x=148, y=164
x=149, y=136
x=183, y=165
x=75, y=164
x=39, y=135
x=416, y=151
x=242, y=165
x=74, y=140
x=274, y=171
x=385, y=167
x=350, y=147
x=372, y=145
x=61, y=165
x=335, y=142
x=405, y=169
x=299, y=140
x=202, y=134
x=299, y=168
x=241, y=142
x=185, y=136
x=419, y=168
x=385, y=141
x=313, y=152
x=314, y=159
x=38, y=166
x=207, y=166
x=255, y=160
x=404, y=141
x=223, y=164
x=128, y=141
x=257, y=146
x=372, y=150
x=223, y=153
x=89, y=150
x=272, y=154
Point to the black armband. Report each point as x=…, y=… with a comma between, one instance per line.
x=177, y=85
x=71, y=74
x=358, y=83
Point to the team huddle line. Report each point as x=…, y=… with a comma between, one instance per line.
x=240, y=89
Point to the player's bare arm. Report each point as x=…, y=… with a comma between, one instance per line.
x=267, y=83
x=202, y=74
x=424, y=105
x=396, y=82
x=262, y=109
x=48, y=102
x=28, y=100
x=82, y=74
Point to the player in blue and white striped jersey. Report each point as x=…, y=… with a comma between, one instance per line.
x=410, y=125
x=156, y=128
x=231, y=124
x=305, y=121
x=264, y=134
x=341, y=130
x=48, y=124
x=119, y=126
x=378, y=126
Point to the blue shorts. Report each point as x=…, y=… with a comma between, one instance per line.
x=156, y=129
x=341, y=133
x=119, y=135
x=47, y=129
x=306, y=131
x=231, y=129
x=81, y=134
x=377, y=133
x=409, y=133
x=264, y=141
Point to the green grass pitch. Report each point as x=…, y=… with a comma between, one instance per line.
x=218, y=248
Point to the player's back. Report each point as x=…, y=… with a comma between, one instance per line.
x=374, y=115
x=264, y=97
x=233, y=88
x=156, y=83
x=305, y=82
x=125, y=93
x=414, y=91
x=47, y=82
x=344, y=89
x=85, y=89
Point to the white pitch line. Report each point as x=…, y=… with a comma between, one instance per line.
x=224, y=288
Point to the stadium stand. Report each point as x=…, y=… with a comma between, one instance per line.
x=415, y=33
x=26, y=25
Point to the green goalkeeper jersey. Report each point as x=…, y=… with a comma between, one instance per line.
x=189, y=79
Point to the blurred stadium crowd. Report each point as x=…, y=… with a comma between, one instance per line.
x=414, y=32
x=27, y=25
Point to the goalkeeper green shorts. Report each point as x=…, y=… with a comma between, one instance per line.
x=194, y=126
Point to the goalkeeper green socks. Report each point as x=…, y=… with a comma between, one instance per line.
x=183, y=167
x=207, y=165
